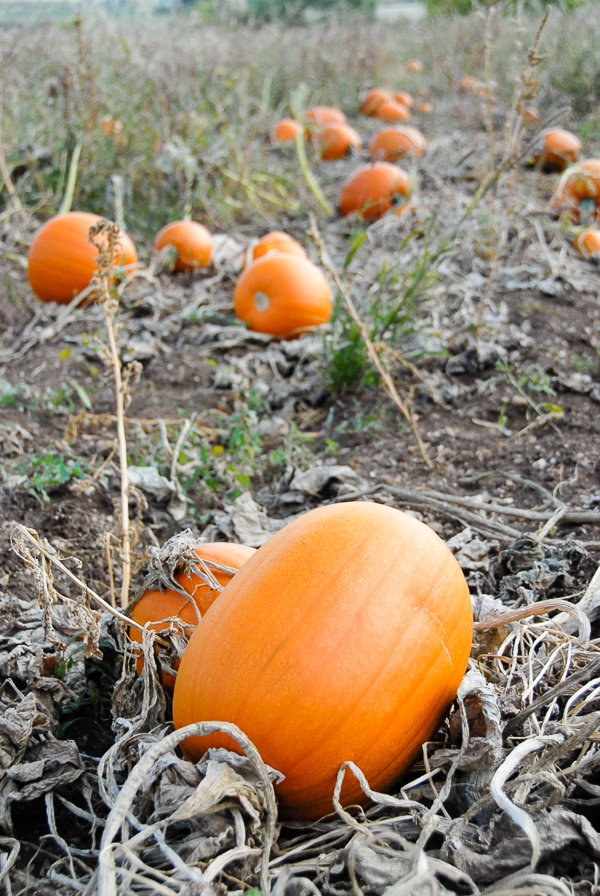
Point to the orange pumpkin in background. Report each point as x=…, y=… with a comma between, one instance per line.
x=404, y=98
x=156, y=608
x=391, y=110
x=372, y=190
x=286, y=130
x=587, y=243
x=277, y=241
x=531, y=115
x=345, y=637
x=192, y=241
x=282, y=295
x=393, y=144
x=557, y=149
x=337, y=141
x=318, y=116
x=579, y=187
x=468, y=83
x=62, y=261
x=373, y=99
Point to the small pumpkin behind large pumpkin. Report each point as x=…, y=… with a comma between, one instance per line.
x=217, y=562
x=345, y=637
x=557, y=148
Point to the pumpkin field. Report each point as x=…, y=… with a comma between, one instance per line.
x=299, y=468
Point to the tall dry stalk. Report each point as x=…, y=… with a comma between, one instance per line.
x=105, y=236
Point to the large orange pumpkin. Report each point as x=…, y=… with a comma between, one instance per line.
x=192, y=242
x=392, y=144
x=344, y=638
x=156, y=608
x=62, y=261
x=372, y=190
x=282, y=295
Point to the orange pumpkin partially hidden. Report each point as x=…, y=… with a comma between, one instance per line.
x=392, y=110
x=404, y=98
x=578, y=186
x=336, y=141
x=318, y=116
x=373, y=98
x=62, y=261
x=372, y=190
x=156, y=608
x=558, y=148
x=345, y=637
x=587, y=243
x=393, y=144
x=277, y=241
x=192, y=242
x=282, y=295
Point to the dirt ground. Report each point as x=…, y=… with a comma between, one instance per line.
x=499, y=367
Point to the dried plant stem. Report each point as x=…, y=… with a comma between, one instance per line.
x=372, y=351
x=105, y=236
x=122, y=443
x=31, y=536
x=107, y=870
x=513, y=153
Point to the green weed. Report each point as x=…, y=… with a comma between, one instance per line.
x=531, y=385
x=49, y=471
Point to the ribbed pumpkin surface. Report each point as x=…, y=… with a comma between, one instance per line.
x=344, y=637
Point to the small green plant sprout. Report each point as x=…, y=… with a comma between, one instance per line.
x=530, y=386
x=49, y=471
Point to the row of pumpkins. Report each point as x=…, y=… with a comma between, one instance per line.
x=285, y=296
x=279, y=292
x=343, y=638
